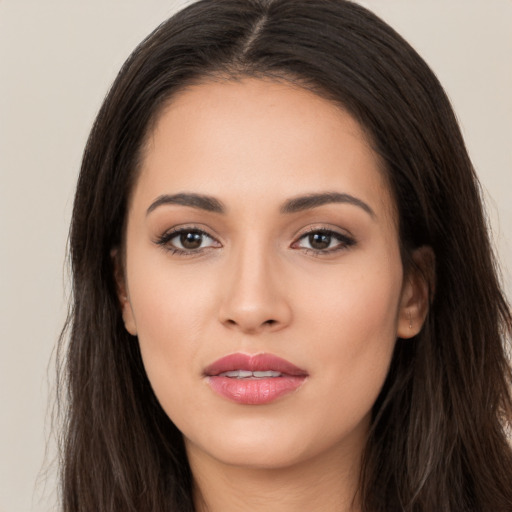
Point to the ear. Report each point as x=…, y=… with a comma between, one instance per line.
x=122, y=292
x=417, y=292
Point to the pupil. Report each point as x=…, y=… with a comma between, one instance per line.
x=191, y=240
x=320, y=240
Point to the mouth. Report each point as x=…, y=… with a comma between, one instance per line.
x=254, y=379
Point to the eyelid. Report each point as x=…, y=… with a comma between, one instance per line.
x=164, y=239
x=346, y=239
x=326, y=228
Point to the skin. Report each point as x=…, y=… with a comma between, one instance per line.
x=255, y=285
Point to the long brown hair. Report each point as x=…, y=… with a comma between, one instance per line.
x=438, y=436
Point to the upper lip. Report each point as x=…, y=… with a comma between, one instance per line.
x=253, y=363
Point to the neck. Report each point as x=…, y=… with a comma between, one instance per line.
x=328, y=483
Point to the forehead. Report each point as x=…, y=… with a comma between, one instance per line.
x=257, y=136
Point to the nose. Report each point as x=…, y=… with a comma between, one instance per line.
x=254, y=299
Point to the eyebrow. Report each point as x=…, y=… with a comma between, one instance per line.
x=202, y=202
x=301, y=203
x=294, y=205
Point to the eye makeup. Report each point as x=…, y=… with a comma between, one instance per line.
x=187, y=241
x=193, y=240
x=322, y=241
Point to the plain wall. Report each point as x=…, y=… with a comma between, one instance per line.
x=57, y=60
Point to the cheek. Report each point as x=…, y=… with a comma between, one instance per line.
x=171, y=312
x=353, y=320
x=354, y=304
x=166, y=297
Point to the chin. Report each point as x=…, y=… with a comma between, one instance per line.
x=258, y=454
x=267, y=445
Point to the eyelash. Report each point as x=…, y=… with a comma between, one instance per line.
x=165, y=239
x=345, y=241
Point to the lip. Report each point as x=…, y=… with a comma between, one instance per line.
x=254, y=391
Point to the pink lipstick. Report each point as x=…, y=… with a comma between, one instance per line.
x=253, y=379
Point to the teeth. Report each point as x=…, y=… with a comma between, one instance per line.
x=244, y=374
x=268, y=373
x=237, y=374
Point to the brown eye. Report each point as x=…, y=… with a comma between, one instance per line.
x=187, y=241
x=191, y=239
x=323, y=241
x=319, y=240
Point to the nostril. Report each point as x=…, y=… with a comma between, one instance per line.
x=267, y=323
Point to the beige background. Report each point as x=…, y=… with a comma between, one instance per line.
x=57, y=59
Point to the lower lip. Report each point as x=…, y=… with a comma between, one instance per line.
x=255, y=391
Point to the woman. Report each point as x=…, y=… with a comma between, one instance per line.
x=285, y=295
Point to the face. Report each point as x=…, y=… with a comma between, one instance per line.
x=263, y=275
